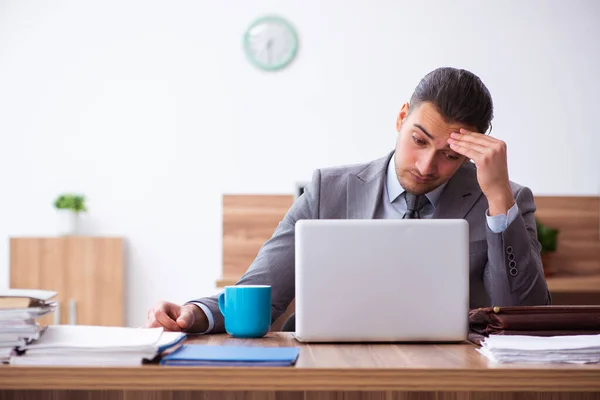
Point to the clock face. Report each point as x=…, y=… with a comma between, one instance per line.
x=270, y=43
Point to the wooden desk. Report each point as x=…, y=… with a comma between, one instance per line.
x=323, y=371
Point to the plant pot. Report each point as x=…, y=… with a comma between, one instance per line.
x=67, y=223
x=548, y=263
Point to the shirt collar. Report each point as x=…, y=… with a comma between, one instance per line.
x=394, y=189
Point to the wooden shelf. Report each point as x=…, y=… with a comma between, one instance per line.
x=556, y=284
x=574, y=284
x=221, y=283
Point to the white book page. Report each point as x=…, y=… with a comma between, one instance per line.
x=97, y=337
x=540, y=343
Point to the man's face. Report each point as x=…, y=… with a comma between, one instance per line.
x=424, y=160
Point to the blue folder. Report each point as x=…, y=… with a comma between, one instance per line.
x=205, y=355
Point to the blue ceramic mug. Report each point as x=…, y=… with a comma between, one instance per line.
x=247, y=310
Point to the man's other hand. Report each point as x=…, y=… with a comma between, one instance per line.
x=173, y=317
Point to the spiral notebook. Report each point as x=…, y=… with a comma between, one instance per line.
x=227, y=356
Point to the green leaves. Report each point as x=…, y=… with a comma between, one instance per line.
x=548, y=237
x=71, y=202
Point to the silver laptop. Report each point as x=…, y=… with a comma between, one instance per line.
x=382, y=280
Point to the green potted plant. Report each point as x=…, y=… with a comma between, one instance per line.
x=68, y=207
x=548, y=238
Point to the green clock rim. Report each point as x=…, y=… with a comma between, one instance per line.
x=292, y=54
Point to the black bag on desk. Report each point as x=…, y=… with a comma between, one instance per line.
x=533, y=321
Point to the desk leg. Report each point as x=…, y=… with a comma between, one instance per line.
x=186, y=395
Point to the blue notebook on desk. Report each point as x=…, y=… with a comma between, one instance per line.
x=227, y=356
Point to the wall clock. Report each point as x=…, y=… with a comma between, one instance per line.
x=270, y=43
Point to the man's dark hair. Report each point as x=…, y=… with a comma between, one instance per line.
x=459, y=95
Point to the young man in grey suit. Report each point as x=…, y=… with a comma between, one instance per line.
x=444, y=166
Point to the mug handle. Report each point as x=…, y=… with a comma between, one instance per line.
x=222, y=303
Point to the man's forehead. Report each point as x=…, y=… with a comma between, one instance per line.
x=426, y=115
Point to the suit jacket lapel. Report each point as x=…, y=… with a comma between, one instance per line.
x=365, y=189
x=460, y=194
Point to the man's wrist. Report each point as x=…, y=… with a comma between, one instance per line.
x=501, y=203
x=200, y=319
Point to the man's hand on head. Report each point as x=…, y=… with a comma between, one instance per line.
x=489, y=155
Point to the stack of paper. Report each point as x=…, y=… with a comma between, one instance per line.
x=80, y=345
x=19, y=309
x=573, y=349
x=227, y=356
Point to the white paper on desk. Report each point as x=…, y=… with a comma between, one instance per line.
x=14, y=315
x=572, y=349
x=70, y=361
x=168, y=339
x=538, y=343
x=97, y=338
x=43, y=295
x=516, y=357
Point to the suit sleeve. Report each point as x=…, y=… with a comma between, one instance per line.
x=513, y=275
x=275, y=263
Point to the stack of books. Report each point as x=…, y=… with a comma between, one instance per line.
x=19, y=310
x=81, y=345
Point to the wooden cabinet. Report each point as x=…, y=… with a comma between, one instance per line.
x=87, y=273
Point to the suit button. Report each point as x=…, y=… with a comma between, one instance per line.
x=512, y=264
x=511, y=257
x=514, y=271
x=509, y=249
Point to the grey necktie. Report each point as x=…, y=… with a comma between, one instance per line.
x=414, y=204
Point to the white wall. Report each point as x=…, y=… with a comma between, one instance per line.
x=152, y=111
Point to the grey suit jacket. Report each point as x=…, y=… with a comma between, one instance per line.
x=505, y=268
